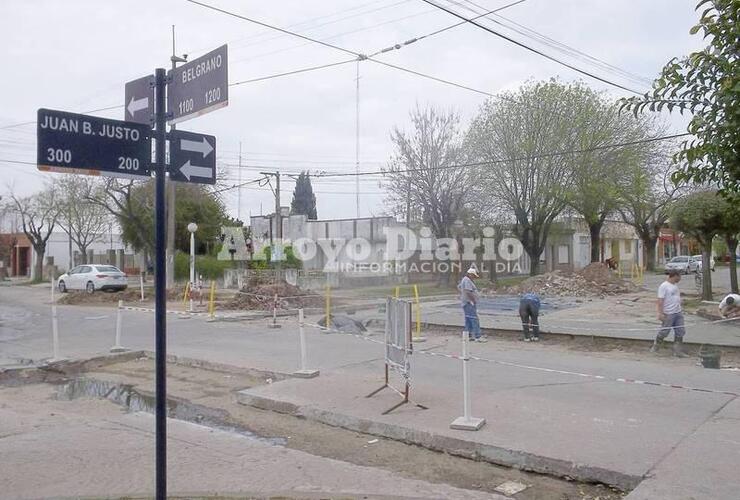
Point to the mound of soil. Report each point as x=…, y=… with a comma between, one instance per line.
x=99, y=297
x=262, y=297
x=595, y=280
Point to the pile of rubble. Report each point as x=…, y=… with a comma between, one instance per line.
x=262, y=297
x=595, y=280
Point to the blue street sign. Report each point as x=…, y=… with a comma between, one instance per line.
x=192, y=157
x=139, y=100
x=199, y=86
x=81, y=144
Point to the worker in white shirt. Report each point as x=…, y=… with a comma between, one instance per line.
x=670, y=314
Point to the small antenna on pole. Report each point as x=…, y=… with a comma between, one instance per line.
x=176, y=59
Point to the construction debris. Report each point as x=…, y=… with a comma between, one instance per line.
x=595, y=280
x=262, y=297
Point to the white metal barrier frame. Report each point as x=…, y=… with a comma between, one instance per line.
x=398, y=349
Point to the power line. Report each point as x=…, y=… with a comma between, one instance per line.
x=524, y=158
x=442, y=30
x=294, y=72
x=531, y=49
x=559, y=46
x=361, y=57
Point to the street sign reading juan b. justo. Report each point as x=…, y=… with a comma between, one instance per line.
x=82, y=144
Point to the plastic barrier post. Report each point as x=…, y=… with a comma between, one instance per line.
x=54, y=327
x=467, y=422
x=274, y=323
x=304, y=372
x=141, y=286
x=327, y=307
x=119, y=320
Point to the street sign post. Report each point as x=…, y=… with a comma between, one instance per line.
x=199, y=86
x=82, y=144
x=139, y=101
x=192, y=157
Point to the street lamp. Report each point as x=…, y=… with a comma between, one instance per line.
x=192, y=227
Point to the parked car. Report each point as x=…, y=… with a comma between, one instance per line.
x=679, y=263
x=695, y=265
x=91, y=277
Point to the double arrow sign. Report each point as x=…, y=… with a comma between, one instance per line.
x=192, y=157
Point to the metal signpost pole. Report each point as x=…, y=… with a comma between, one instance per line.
x=160, y=284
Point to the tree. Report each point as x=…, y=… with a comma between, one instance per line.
x=82, y=219
x=707, y=84
x=421, y=180
x=39, y=215
x=133, y=206
x=730, y=230
x=646, y=204
x=700, y=215
x=422, y=177
x=304, y=201
x=599, y=174
x=513, y=137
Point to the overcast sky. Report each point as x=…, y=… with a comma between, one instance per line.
x=76, y=55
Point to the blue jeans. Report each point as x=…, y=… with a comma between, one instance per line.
x=472, y=323
x=675, y=322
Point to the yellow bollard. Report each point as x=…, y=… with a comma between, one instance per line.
x=211, y=302
x=327, y=308
x=186, y=294
x=398, y=291
x=418, y=311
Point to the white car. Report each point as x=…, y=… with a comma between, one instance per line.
x=91, y=277
x=679, y=263
x=696, y=264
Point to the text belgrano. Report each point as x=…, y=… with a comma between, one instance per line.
x=202, y=68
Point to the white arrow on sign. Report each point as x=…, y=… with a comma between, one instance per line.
x=203, y=147
x=135, y=105
x=189, y=171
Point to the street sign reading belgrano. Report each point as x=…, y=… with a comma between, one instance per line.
x=199, y=86
x=82, y=144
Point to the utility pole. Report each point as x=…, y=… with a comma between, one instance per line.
x=278, y=230
x=239, y=189
x=357, y=140
x=170, y=185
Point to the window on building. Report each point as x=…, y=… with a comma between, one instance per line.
x=627, y=246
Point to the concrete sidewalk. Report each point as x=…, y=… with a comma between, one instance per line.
x=564, y=423
x=91, y=448
x=631, y=316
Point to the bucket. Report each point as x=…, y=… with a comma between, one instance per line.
x=710, y=357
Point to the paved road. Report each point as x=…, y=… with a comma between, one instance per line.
x=539, y=399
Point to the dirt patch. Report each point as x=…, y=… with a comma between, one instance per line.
x=262, y=297
x=102, y=297
x=595, y=280
x=215, y=389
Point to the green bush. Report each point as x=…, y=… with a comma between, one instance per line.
x=206, y=265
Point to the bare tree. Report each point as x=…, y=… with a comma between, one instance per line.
x=39, y=214
x=81, y=218
x=514, y=137
x=422, y=177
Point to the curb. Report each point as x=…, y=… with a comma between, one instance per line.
x=447, y=444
